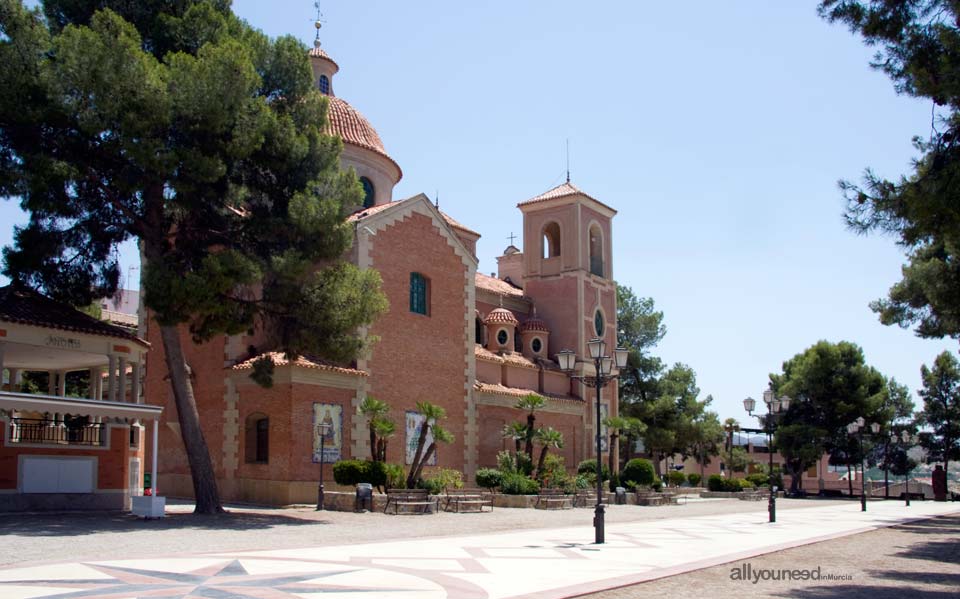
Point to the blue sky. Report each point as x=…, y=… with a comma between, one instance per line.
x=718, y=130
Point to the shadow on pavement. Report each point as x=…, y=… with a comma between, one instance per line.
x=41, y=525
x=939, y=551
x=921, y=577
x=939, y=525
x=849, y=591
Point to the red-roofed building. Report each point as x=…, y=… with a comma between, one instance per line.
x=469, y=342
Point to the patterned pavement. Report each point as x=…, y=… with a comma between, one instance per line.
x=528, y=564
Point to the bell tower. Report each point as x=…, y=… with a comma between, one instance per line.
x=568, y=271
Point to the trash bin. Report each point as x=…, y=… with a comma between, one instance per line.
x=621, y=496
x=364, y=500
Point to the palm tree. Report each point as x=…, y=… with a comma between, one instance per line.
x=614, y=424
x=431, y=415
x=517, y=432
x=440, y=435
x=547, y=438
x=384, y=429
x=530, y=403
x=374, y=410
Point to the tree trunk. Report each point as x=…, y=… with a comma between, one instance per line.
x=198, y=454
x=543, y=457
x=373, y=443
x=414, y=466
x=426, y=458
x=531, y=420
x=614, y=438
x=628, y=450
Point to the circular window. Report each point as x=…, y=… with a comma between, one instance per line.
x=598, y=323
x=536, y=345
x=502, y=337
x=368, y=192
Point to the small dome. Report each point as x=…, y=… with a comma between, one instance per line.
x=534, y=324
x=317, y=52
x=501, y=316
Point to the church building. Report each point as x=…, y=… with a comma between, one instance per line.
x=469, y=342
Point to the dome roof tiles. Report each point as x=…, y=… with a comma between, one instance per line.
x=501, y=316
x=345, y=121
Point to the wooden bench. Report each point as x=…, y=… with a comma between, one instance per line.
x=467, y=500
x=553, y=499
x=410, y=501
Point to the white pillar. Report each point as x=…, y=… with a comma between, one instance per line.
x=62, y=383
x=111, y=378
x=153, y=469
x=135, y=385
x=122, y=380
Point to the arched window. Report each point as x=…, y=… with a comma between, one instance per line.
x=596, y=251
x=551, y=240
x=257, y=439
x=324, y=85
x=478, y=331
x=598, y=324
x=517, y=341
x=419, y=294
x=369, y=192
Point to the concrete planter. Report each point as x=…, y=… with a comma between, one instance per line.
x=720, y=494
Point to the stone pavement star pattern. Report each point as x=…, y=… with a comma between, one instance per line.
x=532, y=564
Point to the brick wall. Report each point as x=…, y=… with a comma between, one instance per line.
x=420, y=358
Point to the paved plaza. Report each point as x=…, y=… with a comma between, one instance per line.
x=541, y=563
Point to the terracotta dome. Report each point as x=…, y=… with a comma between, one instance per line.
x=353, y=128
x=534, y=324
x=501, y=316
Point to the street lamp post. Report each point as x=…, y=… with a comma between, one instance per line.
x=906, y=437
x=321, y=430
x=775, y=408
x=603, y=366
x=856, y=428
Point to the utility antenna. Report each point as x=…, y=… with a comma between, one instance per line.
x=318, y=24
x=568, y=160
x=436, y=201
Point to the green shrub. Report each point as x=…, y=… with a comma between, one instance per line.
x=351, y=472
x=637, y=471
x=676, y=478
x=589, y=467
x=443, y=479
x=745, y=484
x=518, y=484
x=396, y=478
x=656, y=486
x=581, y=482
x=694, y=479
x=759, y=479
x=554, y=475
x=715, y=483
x=506, y=463
x=489, y=478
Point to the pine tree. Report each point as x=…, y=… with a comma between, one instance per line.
x=175, y=123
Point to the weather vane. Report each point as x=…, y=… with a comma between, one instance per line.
x=318, y=23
